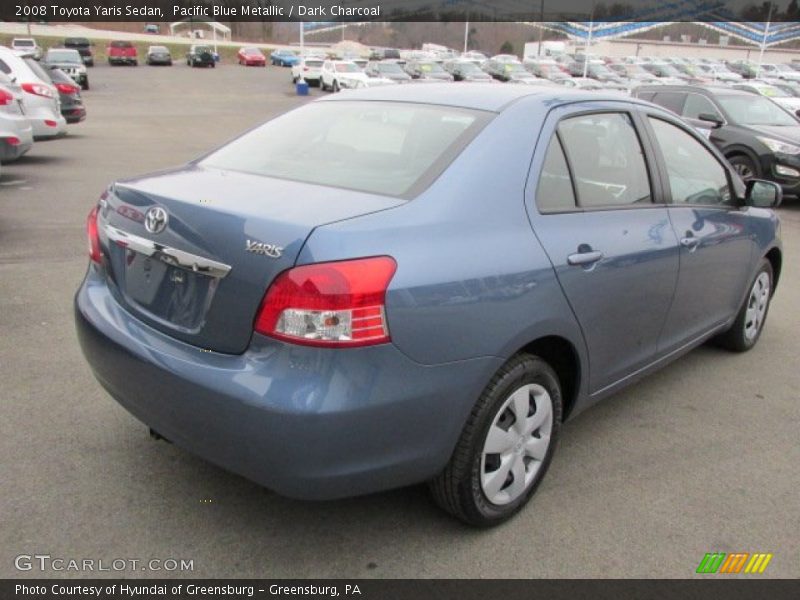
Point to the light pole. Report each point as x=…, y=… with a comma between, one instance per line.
x=764, y=41
x=541, y=29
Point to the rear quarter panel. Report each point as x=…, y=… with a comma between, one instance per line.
x=472, y=280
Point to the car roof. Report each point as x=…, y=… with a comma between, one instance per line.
x=708, y=89
x=476, y=96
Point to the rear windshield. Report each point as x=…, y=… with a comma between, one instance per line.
x=121, y=45
x=380, y=147
x=76, y=42
x=23, y=42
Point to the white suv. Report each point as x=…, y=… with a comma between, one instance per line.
x=341, y=74
x=40, y=97
x=308, y=69
x=28, y=47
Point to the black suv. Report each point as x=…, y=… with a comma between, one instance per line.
x=759, y=138
x=84, y=48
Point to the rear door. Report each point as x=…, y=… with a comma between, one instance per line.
x=717, y=246
x=597, y=215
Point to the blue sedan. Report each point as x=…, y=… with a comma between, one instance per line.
x=283, y=58
x=413, y=284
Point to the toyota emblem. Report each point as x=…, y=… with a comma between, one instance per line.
x=155, y=220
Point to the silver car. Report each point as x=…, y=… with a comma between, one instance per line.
x=40, y=97
x=16, y=133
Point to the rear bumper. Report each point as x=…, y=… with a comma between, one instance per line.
x=122, y=60
x=305, y=422
x=73, y=114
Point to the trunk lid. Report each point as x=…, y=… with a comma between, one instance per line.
x=227, y=235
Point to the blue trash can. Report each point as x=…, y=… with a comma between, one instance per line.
x=302, y=88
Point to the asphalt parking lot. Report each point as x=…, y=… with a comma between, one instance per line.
x=701, y=457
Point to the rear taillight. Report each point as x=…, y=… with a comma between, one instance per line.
x=6, y=98
x=67, y=88
x=335, y=304
x=95, y=253
x=38, y=89
x=12, y=141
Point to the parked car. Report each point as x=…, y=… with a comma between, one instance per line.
x=27, y=47
x=40, y=97
x=785, y=72
x=595, y=70
x=70, y=62
x=69, y=94
x=322, y=333
x=200, y=55
x=83, y=46
x=121, y=52
x=758, y=137
x=719, y=73
x=387, y=69
x=159, y=55
x=16, y=132
x=251, y=56
x=309, y=69
x=475, y=56
x=508, y=71
x=634, y=72
x=338, y=74
x=668, y=71
x=152, y=28
x=466, y=70
x=546, y=68
x=427, y=70
x=783, y=98
x=744, y=68
x=283, y=58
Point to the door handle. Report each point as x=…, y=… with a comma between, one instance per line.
x=690, y=242
x=584, y=258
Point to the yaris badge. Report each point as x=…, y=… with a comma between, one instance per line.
x=264, y=249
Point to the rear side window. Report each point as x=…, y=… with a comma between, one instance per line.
x=697, y=105
x=4, y=67
x=606, y=159
x=554, y=192
x=381, y=147
x=671, y=101
x=695, y=175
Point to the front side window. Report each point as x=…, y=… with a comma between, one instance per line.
x=607, y=160
x=697, y=105
x=695, y=175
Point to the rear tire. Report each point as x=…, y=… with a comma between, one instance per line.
x=501, y=458
x=336, y=87
x=749, y=323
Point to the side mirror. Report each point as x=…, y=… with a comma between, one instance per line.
x=715, y=121
x=763, y=194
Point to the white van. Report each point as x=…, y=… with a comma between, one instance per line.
x=40, y=97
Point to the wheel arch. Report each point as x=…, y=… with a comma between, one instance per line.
x=738, y=150
x=775, y=259
x=563, y=357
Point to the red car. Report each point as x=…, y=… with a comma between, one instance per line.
x=251, y=57
x=122, y=53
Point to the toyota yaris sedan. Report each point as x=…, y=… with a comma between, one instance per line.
x=420, y=284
